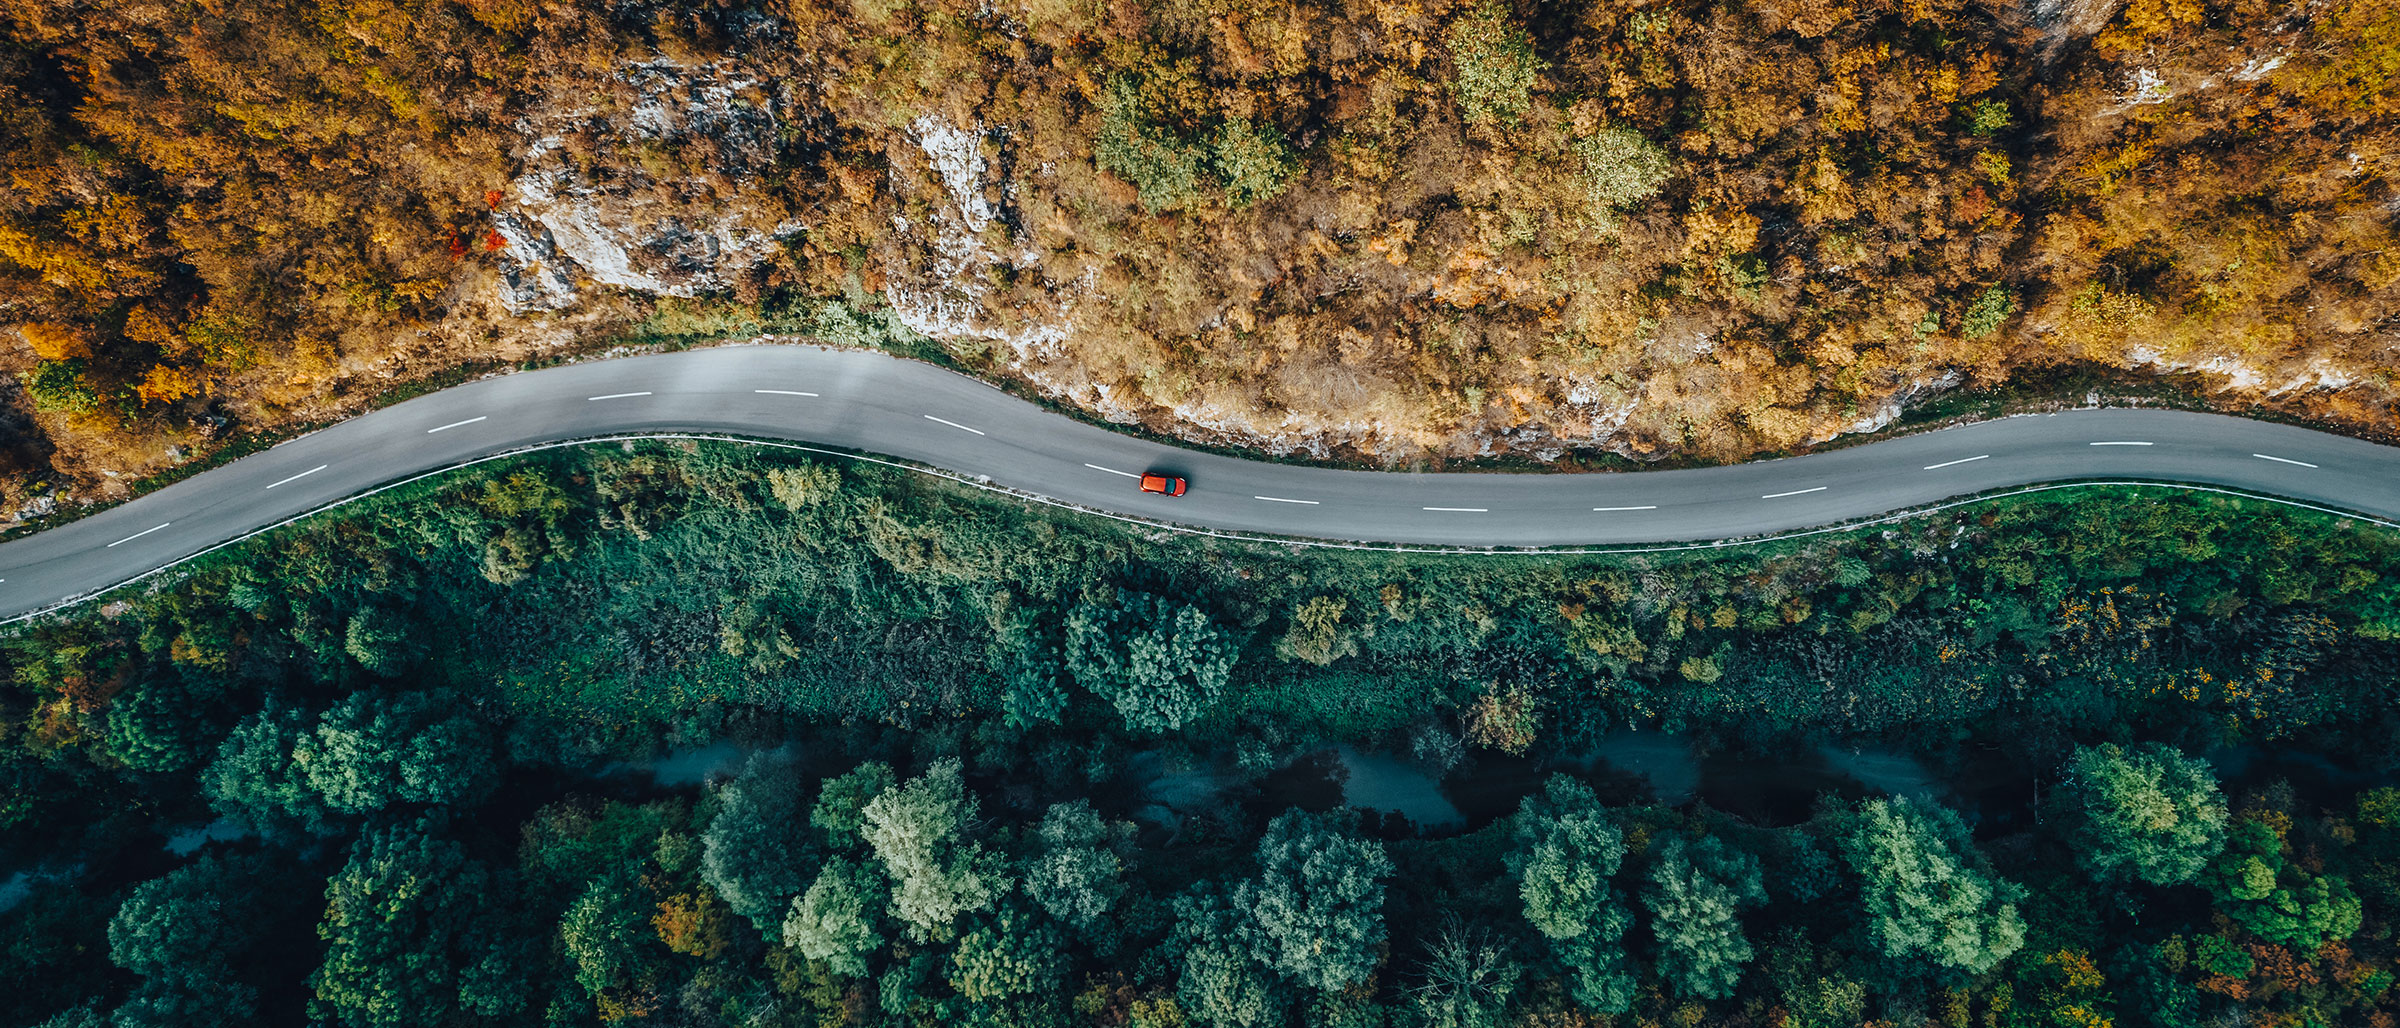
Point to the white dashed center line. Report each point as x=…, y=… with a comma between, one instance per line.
x=1279, y=499
x=454, y=424
x=300, y=476
x=1463, y=510
x=2127, y=443
x=2282, y=460
x=956, y=425
x=1112, y=471
x=1651, y=507
x=782, y=392
x=615, y=396
x=1795, y=492
x=140, y=534
x=1961, y=460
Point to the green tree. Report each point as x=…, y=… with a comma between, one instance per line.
x=61, y=386
x=602, y=932
x=1316, y=908
x=383, y=642
x=1075, y=877
x=401, y=931
x=1929, y=899
x=1220, y=981
x=1164, y=665
x=918, y=829
x=371, y=751
x=159, y=724
x=834, y=921
x=1253, y=159
x=1695, y=894
x=188, y=934
x=1621, y=168
x=1496, y=65
x=840, y=810
x=1163, y=166
x=2253, y=883
x=755, y=851
x=2148, y=813
x=1565, y=854
x=1010, y=955
x=1468, y=979
x=254, y=781
x=1990, y=310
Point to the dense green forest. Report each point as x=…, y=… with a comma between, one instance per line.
x=2161, y=724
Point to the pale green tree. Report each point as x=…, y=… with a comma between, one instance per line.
x=835, y=920
x=918, y=830
x=1695, y=894
x=1931, y=903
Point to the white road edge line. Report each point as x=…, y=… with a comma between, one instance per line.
x=1112, y=471
x=616, y=396
x=2121, y=444
x=1961, y=460
x=454, y=424
x=2282, y=460
x=1795, y=492
x=301, y=475
x=954, y=424
x=1279, y=499
x=140, y=534
x=782, y=392
x=1463, y=510
x=1650, y=507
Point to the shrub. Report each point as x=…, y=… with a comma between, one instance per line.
x=60, y=386
x=1990, y=310
x=1496, y=65
x=1254, y=160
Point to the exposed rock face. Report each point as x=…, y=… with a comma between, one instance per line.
x=648, y=195
x=940, y=281
x=2063, y=22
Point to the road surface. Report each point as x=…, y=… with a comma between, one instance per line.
x=877, y=404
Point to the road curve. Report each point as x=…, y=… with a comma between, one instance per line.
x=874, y=403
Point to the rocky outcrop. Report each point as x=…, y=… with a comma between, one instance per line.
x=652, y=193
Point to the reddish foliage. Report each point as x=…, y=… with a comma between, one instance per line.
x=494, y=241
x=491, y=199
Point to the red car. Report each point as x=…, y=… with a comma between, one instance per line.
x=1164, y=485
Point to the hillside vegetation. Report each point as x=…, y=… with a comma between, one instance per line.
x=1386, y=230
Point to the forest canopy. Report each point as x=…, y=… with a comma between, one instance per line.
x=414, y=764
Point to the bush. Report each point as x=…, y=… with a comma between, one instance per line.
x=1163, y=167
x=1254, y=160
x=1621, y=168
x=1990, y=310
x=1496, y=65
x=60, y=386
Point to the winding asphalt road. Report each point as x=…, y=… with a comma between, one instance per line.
x=872, y=403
